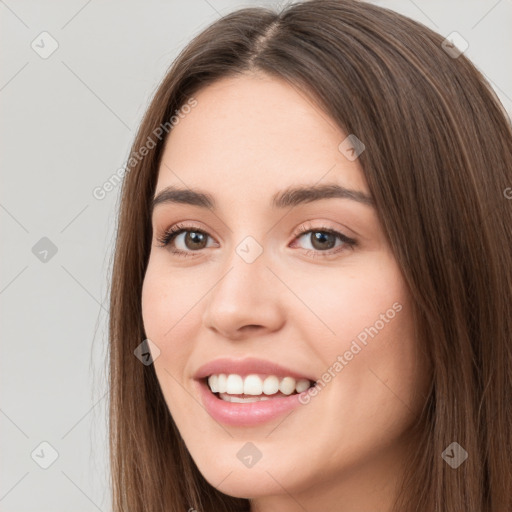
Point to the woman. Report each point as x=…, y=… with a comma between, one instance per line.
x=313, y=266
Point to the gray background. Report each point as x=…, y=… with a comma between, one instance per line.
x=67, y=123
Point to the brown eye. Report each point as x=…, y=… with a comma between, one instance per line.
x=192, y=240
x=322, y=240
x=195, y=240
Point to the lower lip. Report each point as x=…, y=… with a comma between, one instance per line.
x=248, y=414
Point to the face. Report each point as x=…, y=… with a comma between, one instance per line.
x=310, y=285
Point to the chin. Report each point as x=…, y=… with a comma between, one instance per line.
x=265, y=478
x=245, y=483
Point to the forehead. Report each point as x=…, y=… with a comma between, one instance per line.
x=251, y=135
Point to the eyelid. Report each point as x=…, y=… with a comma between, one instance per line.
x=178, y=228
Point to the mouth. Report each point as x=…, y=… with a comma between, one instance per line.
x=254, y=387
x=246, y=410
x=251, y=391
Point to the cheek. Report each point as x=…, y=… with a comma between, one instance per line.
x=170, y=318
x=167, y=300
x=366, y=337
x=345, y=303
x=171, y=322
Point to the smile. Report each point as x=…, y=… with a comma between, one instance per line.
x=256, y=385
x=251, y=400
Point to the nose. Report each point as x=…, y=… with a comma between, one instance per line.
x=246, y=298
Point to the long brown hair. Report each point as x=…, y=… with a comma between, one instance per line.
x=438, y=162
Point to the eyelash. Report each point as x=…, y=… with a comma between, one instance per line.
x=348, y=243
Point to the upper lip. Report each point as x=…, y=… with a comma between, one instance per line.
x=248, y=366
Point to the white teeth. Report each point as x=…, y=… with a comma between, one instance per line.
x=302, y=385
x=270, y=385
x=287, y=385
x=234, y=384
x=213, y=382
x=221, y=383
x=237, y=399
x=252, y=385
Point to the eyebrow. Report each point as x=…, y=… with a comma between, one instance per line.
x=291, y=196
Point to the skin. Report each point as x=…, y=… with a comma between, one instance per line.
x=248, y=138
